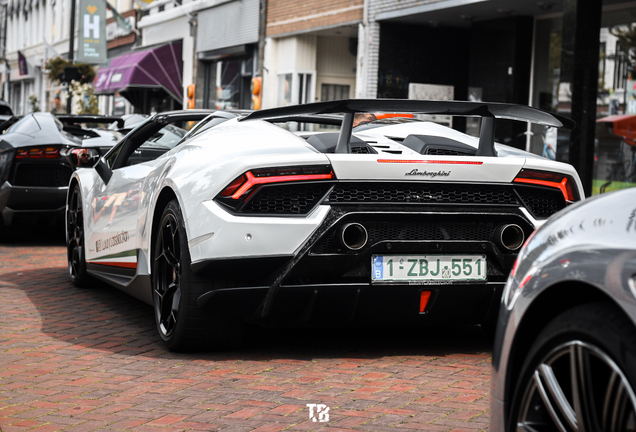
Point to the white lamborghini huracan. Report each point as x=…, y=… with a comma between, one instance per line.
x=241, y=220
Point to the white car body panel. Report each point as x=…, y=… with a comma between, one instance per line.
x=426, y=168
x=230, y=236
x=119, y=215
x=188, y=171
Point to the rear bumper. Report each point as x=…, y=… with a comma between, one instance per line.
x=36, y=201
x=325, y=282
x=357, y=303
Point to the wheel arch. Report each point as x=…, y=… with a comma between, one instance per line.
x=73, y=182
x=165, y=196
x=551, y=303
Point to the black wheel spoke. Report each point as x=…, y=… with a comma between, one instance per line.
x=169, y=251
x=75, y=230
x=554, y=398
x=167, y=288
x=583, y=387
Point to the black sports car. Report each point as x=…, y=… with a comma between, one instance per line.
x=38, y=154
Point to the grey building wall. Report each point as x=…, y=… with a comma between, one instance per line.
x=227, y=25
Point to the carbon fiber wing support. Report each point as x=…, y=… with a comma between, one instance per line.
x=488, y=111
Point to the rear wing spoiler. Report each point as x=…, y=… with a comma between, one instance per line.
x=6, y=121
x=488, y=111
x=88, y=118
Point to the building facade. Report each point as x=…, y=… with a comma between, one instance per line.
x=311, y=51
x=36, y=31
x=559, y=55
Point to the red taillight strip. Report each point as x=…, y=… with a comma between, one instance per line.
x=430, y=162
x=252, y=181
x=51, y=153
x=38, y=153
x=562, y=186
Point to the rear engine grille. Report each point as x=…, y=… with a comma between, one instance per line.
x=42, y=175
x=363, y=193
x=286, y=198
x=361, y=150
x=446, y=152
x=542, y=202
x=414, y=230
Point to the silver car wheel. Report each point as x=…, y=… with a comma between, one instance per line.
x=577, y=387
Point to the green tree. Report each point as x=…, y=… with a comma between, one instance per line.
x=34, y=103
x=87, y=102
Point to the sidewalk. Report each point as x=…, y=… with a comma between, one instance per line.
x=90, y=359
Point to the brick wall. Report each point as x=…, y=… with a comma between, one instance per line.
x=293, y=16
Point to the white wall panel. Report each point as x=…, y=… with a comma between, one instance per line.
x=334, y=57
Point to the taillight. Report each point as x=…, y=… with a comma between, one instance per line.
x=38, y=153
x=243, y=187
x=240, y=187
x=564, y=183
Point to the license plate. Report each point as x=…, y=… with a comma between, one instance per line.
x=413, y=268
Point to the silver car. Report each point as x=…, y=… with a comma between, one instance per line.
x=564, y=357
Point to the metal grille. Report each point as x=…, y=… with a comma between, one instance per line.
x=361, y=150
x=446, y=152
x=421, y=193
x=415, y=230
x=286, y=199
x=42, y=175
x=542, y=202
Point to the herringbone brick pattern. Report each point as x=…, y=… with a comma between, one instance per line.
x=89, y=359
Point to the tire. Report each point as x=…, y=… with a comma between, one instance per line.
x=596, y=345
x=75, y=249
x=181, y=323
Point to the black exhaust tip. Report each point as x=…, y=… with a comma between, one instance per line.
x=509, y=236
x=352, y=236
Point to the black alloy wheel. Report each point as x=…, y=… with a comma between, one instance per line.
x=75, y=239
x=167, y=276
x=182, y=324
x=580, y=375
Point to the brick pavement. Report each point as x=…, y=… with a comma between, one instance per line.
x=89, y=359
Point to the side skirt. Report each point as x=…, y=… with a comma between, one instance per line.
x=128, y=274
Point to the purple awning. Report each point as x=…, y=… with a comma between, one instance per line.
x=153, y=68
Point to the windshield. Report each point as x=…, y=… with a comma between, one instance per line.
x=167, y=138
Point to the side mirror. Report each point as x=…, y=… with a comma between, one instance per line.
x=103, y=170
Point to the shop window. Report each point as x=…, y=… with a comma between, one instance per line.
x=226, y=83
x=284, y=90
x=615, y=151
x=304, y=88
x=329, y=92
